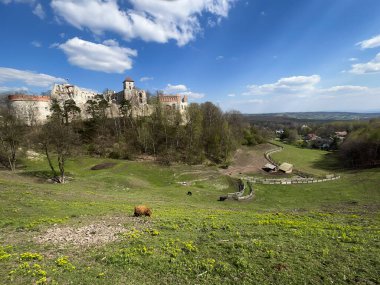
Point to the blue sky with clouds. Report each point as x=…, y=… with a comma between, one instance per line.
x=254, y=56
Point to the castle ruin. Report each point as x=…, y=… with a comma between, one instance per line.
x=36, y=109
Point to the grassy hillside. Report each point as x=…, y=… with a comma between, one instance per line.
x=289, y=234
x=303, y=159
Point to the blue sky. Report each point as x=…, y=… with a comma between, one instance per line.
x=253, y=56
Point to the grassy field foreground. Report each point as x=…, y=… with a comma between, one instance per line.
x=325, y=233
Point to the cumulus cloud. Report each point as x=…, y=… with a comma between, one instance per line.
x=29, y=78
x=108, y=57
x=370, y=43
x=157, y=21
x=294, y=84
x=182, y=90
x=175, y=88
x=372, y=66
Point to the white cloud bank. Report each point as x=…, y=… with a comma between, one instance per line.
x=370, y=43
x=287, y=85
x=182, y=90
x=29, y=78
x=108, y=57
x=157, y=21
x=372, y=66
x=302, y=94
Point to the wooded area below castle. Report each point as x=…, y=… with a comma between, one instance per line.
x=203, y=134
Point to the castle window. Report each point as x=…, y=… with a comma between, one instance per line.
x=140, y=98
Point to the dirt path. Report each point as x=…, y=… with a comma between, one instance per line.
x=248, y=160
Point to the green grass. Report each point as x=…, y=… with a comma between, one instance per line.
x=303, y=159
x=289, y=234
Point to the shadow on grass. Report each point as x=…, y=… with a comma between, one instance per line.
x=41, y=174
x=330, y=162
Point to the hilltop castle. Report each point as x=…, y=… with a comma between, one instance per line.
x=36, y=109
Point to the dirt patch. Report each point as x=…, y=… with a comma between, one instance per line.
x=100, y=232
x=104, y=165
x=248, y=160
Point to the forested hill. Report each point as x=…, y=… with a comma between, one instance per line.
x=319, y=116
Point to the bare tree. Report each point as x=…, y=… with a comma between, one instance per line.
x=12, y=130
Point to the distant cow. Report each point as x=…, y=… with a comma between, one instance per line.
x=142, y=210
x=189, y=193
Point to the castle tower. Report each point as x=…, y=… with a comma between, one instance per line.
x=129, y=84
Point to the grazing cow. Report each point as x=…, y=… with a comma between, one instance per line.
x=142, y=210
x=189, y=193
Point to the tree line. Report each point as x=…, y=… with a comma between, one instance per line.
x=203, y=133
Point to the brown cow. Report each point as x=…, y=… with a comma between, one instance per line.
x=142, y=210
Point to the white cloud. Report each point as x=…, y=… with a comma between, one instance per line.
x=29, y=78
x=158, y=21
x=108, y=57
x=372, y=66
x=182, y=90
x=345, y=89
x=6, y=89
x=302, y=94
x=219, y=57
x=175, y=88
x=146, y=78
x=294, y=84
x=370, y=43
x=36, y=44
x=231, y=95
x=353, y=59
x=39, y=11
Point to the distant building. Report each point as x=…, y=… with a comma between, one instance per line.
x=63, y=92
x=136, y=97
x=341, y=135
x=286, y=167
x=174, y=102
x=36, y=109
x=311, y=137
x=32, y=109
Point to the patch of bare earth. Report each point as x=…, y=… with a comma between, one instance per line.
x=248, y=160
x=96, y=233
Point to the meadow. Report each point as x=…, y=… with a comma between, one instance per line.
x=325, y=233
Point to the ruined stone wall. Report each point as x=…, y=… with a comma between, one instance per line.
x=31, y=109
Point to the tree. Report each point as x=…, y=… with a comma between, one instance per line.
x=57, y=138
x=70, y=110
x=362, y=147
x=12, y=131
